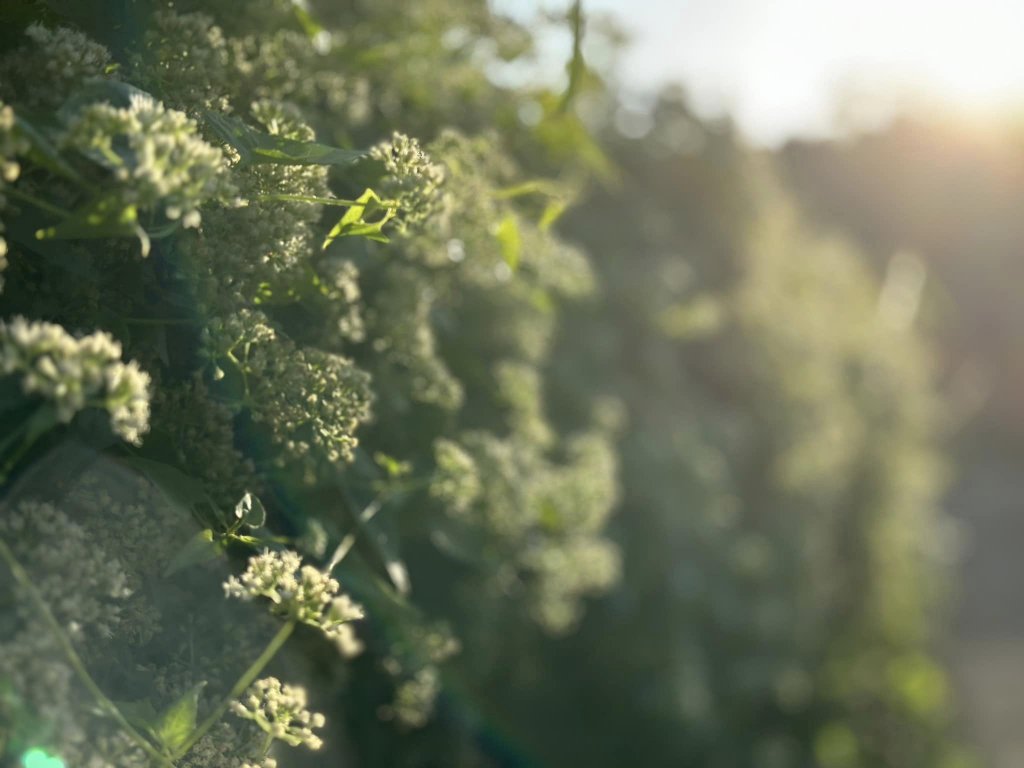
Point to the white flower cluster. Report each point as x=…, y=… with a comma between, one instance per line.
x=82, y=584
x=399, y=319
x=201, y=431
x=300, y=592
x=456, y=483
x=414, y=665
x=414, y=697
x=53, y=63
x=280, y=710
x=224, y=747
x=415, y=180
x=187, y=54
x=77, y=373
x=548, y=518
x=311, y=401
x=155, y=154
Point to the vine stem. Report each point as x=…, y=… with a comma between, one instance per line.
x=239, y=687
x=25, y=581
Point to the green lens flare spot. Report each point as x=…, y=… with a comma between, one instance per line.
x=38, y=758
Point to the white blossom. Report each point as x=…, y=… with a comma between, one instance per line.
x=302, y=593
x=280, y=710
x=155, y=154
x=77, y=373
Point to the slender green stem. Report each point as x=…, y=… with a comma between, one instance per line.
x=239, y=687
x=532, y=187
x=346, y=544
x=268, y=740
x=18, y=453
x=37, y=202
x=105, y=704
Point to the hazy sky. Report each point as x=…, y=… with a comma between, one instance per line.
x=778, y=65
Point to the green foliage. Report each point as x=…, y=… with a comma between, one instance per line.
x=257, y=147
x=624, y=504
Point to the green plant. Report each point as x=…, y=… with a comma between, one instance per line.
x=212, y=330
x=312, y=432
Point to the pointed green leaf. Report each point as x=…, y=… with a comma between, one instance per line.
x=530, y=187
x=552, y=212
x=255, y=146
x=509, y=240
x=353, y=223
x=179, y=720
x=310, y=25
x=252, y=541
x=392, y=466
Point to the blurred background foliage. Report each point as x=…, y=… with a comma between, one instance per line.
x=711, y=418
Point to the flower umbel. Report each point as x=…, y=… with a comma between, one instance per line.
x=280, y=711
x=302, y=593
x=75, y=374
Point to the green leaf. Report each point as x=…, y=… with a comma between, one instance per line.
x=392, y=466
x=255, y=146
x=250, y=511
x=557, y=199
x=103, y=217
x=309, y=25
x=353, y=223
x=201, y=548
x=179, y=720
x=252, y=541
x=552, y=212
x=531, y=187
x=507, y=233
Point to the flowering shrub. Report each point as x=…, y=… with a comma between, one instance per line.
x=211, y=305
x=290, y=418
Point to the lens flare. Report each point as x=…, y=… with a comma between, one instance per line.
x=39, y=758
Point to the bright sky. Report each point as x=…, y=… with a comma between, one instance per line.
x=778, y=65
